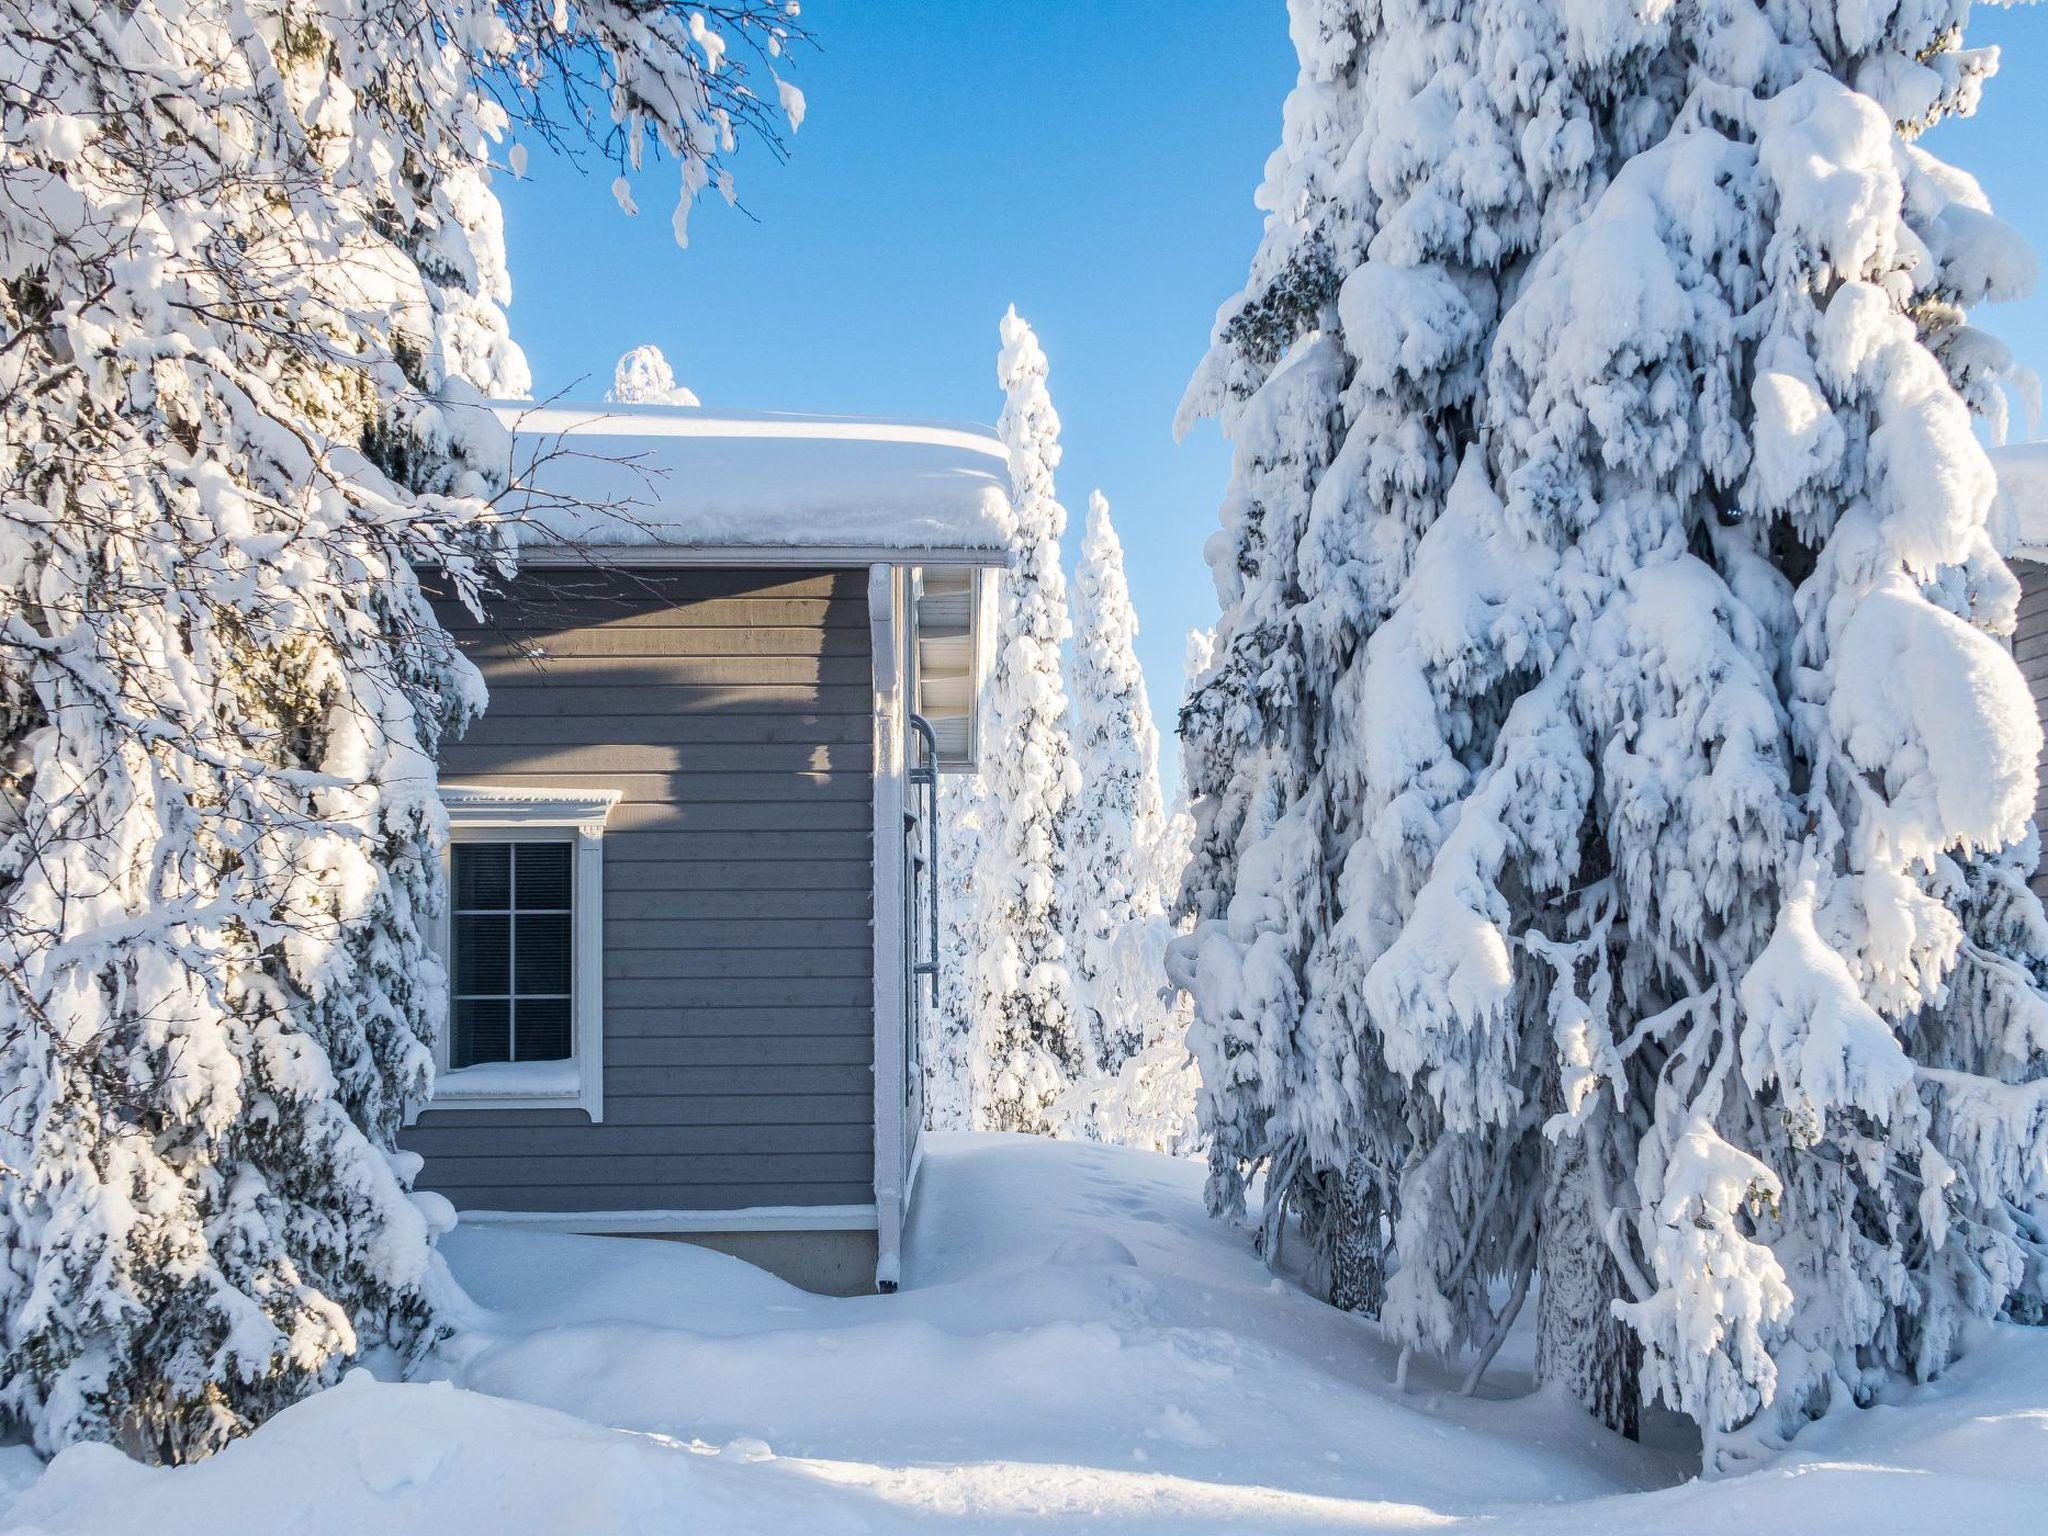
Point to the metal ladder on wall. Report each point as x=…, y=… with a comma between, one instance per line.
x=921, y=903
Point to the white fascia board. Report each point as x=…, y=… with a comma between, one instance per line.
x=737, y=556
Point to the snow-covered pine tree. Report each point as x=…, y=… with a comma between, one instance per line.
x=1119, y=815
x=1423, y=158
x=1672, y=969
x=643, y=377
x=251, y=283
x=1023, y=1038
x=1141, y=1083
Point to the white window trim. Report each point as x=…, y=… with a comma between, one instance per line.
x=488, y=813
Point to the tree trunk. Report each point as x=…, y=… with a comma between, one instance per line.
x=1580, y=1344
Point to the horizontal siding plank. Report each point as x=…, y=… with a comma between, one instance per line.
x=657, y=1110
x=787, y=899
x=666, y=586
x=587, y=699
x=664, y=672
x=526, y=1141
x=769, y=760
x=581, y=614
x=729, y=992
x=643, y=887
x=655, y=1197
x=710, y=1082
x=735, y=935
x=836, y=825
x=656, y=729
x=740, y=1050
x=736, y=965
x=642, y=642
x=629, y=1022
x=682, y=850
x=681, y=1171
x=694, y=791
x=818, y=815
x=624, y=1107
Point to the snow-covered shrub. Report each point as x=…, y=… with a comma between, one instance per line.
x=251, y=285
x=1613, y=793
x=643, y=377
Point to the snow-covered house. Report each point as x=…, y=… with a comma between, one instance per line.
x=690, y=910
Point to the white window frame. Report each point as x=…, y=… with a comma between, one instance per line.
x=489, y=813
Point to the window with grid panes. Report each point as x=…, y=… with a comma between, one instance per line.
x=511, y=928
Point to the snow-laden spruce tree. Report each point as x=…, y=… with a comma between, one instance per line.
x=251, y=284
x=1140, y=1091
x=1632, y=645
x=1424, y=157
x=643, y=377
x=1019, y=1024
x=1119, y=815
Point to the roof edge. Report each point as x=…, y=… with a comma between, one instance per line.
x=540, y=418
x=556, y=555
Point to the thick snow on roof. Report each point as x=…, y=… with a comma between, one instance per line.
x=2022, y=500
x=624, y=476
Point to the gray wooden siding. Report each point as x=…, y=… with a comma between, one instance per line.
x=732, y=709
x=2030, y=649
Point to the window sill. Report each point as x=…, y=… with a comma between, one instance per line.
x=514, y=1085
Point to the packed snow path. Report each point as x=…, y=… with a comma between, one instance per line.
x=1078, y=1348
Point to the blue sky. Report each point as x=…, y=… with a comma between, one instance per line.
x=1092, y=164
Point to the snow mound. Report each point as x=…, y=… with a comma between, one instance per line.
x=373, y=1457
x=1093, y=1248
x=608, y=1386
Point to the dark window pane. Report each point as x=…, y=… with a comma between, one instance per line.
x=543, y=953
x=483, y=876
x=543, y=874
x=543, y=1028
x=483, y=1032
x=483, y=955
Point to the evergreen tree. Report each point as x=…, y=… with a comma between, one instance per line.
x=643, y=377
x=1119, y=816
x=251, y=283
x=1423, y=159
x=1592, y=902
x=1140, y=1087
x=1023, y=1039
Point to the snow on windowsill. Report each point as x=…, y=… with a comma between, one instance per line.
x=523, y=1079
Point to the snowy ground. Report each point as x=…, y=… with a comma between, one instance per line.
x=1031, y=1378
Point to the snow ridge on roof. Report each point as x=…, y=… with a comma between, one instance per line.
x=648, y=476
